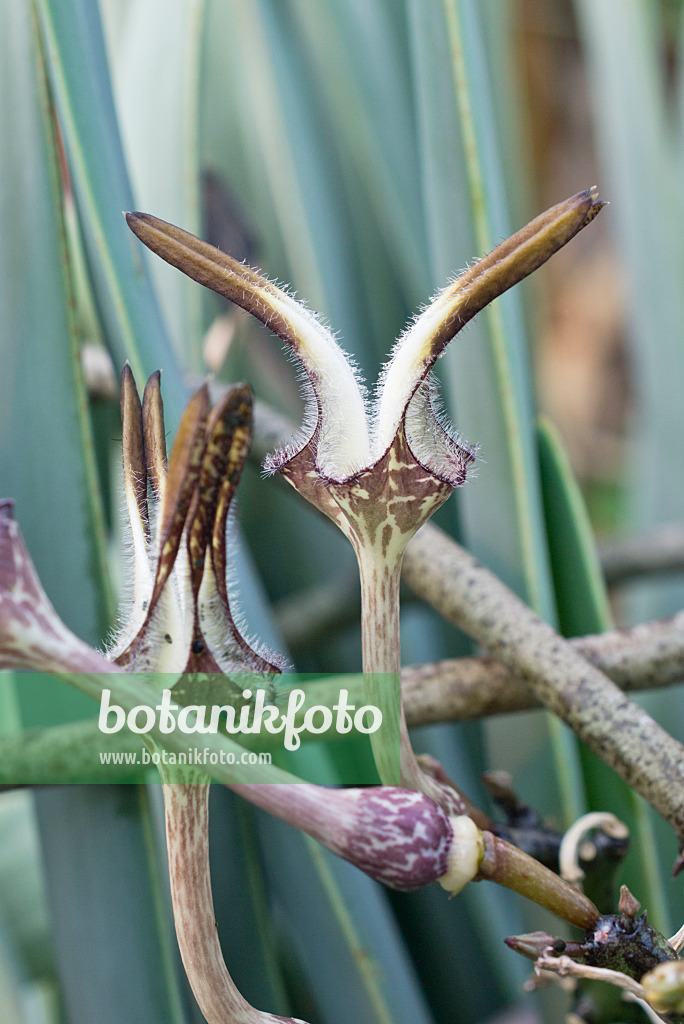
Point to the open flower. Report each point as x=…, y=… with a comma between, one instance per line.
x=378, y=469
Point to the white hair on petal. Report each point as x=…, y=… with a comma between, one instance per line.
x=409, y=362
x=338, y=453
x=131, y=610
x=159, y=654
x=434, y=441
x=310, y=420
x=261, y=650
x=337, y=383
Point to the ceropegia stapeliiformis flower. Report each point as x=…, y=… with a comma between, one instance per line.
x=401, y=838
x=180, y=622
x=377, y=469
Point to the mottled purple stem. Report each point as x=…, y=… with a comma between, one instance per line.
x=381, y=656
x=187, y=839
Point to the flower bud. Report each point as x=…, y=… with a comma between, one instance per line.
x=399, y=837
x=664, y=987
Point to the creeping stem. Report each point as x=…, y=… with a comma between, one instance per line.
x=615, y=727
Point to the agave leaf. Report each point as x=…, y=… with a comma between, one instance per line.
x=583, y=608
x=487, y=373
x=47, y=464
x=46, y=457
x=341, y=936
x=78, y=70
x=106, y=907
x=161, y=139
x=639, y=144
x=359, y=51
x=641, y=165
x=581, y=596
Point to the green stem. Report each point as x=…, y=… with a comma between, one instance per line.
x=479, y=203
x=508, y=866
x=380, y=633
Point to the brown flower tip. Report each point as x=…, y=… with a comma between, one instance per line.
x=154, y=435
x=534, y=944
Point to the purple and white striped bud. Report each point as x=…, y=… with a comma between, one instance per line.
x=405, y=840
x=399, y=837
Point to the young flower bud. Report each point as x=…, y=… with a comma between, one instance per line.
x=664, y=987
x=399, y=837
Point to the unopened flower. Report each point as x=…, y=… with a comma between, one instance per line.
x=397, y=836
x=180, y=619
x=664, y=987
x=379, y=468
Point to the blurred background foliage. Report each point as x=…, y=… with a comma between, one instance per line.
x=363, y=151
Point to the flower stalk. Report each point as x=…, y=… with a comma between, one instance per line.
x=506, y=865
x=186, y=808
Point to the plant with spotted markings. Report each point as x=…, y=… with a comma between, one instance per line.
x=378, y=470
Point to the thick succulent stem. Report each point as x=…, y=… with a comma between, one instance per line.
x=647, y=656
